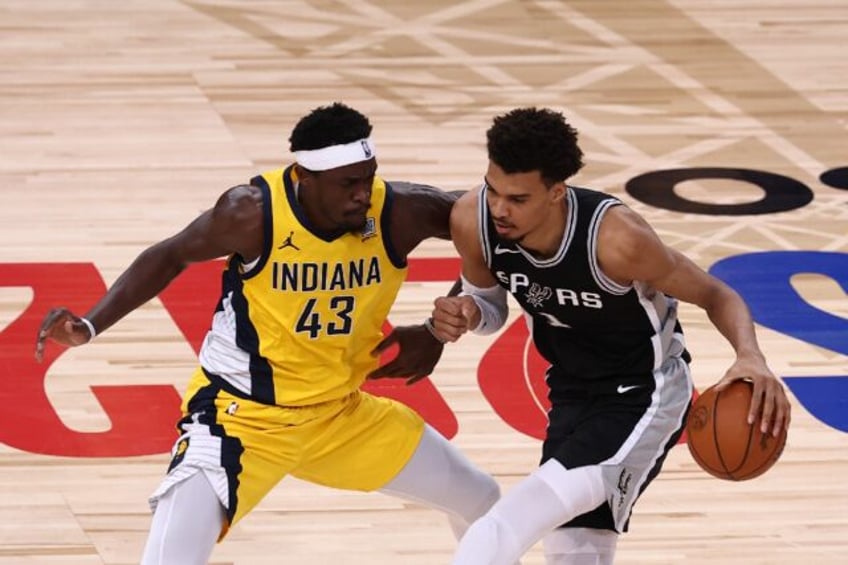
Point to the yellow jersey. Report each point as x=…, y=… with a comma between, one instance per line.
x=297, y=326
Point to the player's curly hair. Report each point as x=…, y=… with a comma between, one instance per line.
x=329, y=125
x=533, y=139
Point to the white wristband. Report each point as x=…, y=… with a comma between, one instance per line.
x=492, y=304
x=428, y=323
x=90, y=327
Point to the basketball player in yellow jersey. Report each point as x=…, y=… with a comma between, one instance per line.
x=317, y=252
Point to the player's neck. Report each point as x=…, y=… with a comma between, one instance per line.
x=545, y=240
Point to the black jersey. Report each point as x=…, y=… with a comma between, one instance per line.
x=598, y=335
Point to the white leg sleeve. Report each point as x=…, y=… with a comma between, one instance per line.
x=186, y=524
x=544, y=500
x=438, y=475
x=580, y=546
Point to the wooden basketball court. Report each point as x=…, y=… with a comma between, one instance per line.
x=121, y=121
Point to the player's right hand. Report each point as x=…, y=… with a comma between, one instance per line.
x=62, y=326
x=453, y=316
x=769, y=402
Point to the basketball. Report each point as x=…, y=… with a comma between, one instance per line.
x=721, y=440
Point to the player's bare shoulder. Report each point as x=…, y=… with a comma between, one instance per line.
x=238, y=218
x=240, y=203
x=629, y=249
x=464, y=214
x=624, y=232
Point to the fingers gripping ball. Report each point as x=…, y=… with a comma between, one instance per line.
x=721, y=440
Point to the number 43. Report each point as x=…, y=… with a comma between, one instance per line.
x=310, y=320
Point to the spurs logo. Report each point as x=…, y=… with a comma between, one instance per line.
x=537, y=295
x=624, y=481
x=623, y=485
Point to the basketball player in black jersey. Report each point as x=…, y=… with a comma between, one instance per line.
x=599, y=290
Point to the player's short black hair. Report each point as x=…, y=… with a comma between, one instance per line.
x=329, y=125
x=535, y=139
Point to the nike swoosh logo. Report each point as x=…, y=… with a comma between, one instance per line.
x=622, y=389
x=501, y=250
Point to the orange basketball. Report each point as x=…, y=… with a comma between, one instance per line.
x=722, y=442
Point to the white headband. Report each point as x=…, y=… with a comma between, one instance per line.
x=336, y=156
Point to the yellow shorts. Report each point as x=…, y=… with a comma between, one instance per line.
x=359, y=442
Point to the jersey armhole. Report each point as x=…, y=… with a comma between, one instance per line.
x=385, y=228
x=253, y=268
x=602, y=279
x=483, y=226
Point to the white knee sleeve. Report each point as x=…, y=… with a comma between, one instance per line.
x=491, y=540
x=546, y=499
x=580, y=490
x=439, y=476
x=186, y=524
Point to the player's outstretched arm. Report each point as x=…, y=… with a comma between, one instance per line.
x=419, y=212
x=629, y=250
x=234, y=225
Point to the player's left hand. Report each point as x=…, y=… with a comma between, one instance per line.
x=769, y=400
x=419, y=353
